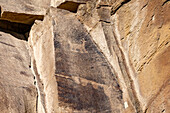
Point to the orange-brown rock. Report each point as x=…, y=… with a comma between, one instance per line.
x=87, y=56
x=142, y=28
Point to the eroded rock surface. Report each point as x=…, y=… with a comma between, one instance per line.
x=142, y=27
x=37, y=7
x=17, y=91
x=87, y=56
x=86, y=82
x=43, y=65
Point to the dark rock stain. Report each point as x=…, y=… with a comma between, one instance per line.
x=7, y=44
x=24, y=73
x=89, y=64
x=70, y=6
x=82, y=97
x=18, y=58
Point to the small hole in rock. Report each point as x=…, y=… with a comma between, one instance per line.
x=34, y=82
x=92, y=67
x=163, y=111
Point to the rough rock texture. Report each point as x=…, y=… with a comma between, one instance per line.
x=142, y=27
x=37, y=7
x=17, y=91
x=87, y=56
x=86, y=83
x=43, y=65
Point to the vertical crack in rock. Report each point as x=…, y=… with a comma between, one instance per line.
x=101, y=32
x=40, y=88
x=114, y=47
x=19, y=25
x=123, y=66
x=129, y=83
x=17, y=91
x=36, y=100
x=83, y=60
x=42, y=51
x=139, y=46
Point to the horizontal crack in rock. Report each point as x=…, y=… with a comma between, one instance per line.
x=117, y=5
x=70, y=6
x=17, y=24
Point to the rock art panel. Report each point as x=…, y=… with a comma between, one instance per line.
x=87, y=56
x=86, y=82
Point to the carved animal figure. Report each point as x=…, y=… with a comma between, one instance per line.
x=78, y=47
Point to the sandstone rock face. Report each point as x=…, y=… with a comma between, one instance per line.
x=17, y=91
x=86, y=82
x=37, y=7
x=142, y=27
x=43, y=65
x=87, y=56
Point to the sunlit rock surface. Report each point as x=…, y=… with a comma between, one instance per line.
x=84, y=56
x=17, y=91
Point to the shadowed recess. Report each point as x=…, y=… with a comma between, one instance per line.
x=117, y=7
x=0, y=11
x=21, y=17
x=18, y=24
x=15, y=27
x=70, y=6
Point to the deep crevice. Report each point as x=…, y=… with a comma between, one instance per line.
x=18, y=24
x=20, y=28
x=103, y=6
x=146, y=110
x=70, y=6
x=113, y=11
x=40, y=88
x=126, y=75
x=165, y=2
x=104, y=21
x=37, y=102
x=17, y=30
x=145, y=5
x=0, y=11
